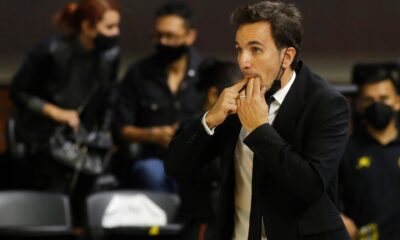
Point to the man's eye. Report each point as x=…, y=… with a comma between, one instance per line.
x=256, y=50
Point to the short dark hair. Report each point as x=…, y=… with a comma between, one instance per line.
x=285, y=21
x=217, y=73
x=364, y=73
x=180, y=9
x=377, y=77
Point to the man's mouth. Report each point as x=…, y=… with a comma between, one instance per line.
x=248, y=74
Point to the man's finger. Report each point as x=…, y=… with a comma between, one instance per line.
x=249, y=88
x=263, y=90
x=238, y=86
x=241, y=95
x=256, y=88
x=231, y=95
x=232, y=108
x=231, y=100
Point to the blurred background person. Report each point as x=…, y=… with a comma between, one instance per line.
x=370, y=169
x=157, y=93
x=57, y=77
x=199, y=195
x=214, y=76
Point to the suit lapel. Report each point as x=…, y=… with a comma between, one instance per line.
x=231, y=132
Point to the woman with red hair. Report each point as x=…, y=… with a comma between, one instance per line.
x=58, y=77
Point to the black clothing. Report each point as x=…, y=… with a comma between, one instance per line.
x=61, y=72
x=147, y=101
x=370, y=184
x=294, y=180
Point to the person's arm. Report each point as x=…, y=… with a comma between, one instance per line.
x=161, y=135
x=306, y=175
x=195, y=144
x=26, y=84
x=192, y=147
x=26, y=87
x=64, y=116
x=126, y=127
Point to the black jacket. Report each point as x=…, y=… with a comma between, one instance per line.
x=46, y=72
x=147, y=101
x=295, y=165
x=370, y=182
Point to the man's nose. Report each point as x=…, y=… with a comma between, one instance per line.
x=244, y=61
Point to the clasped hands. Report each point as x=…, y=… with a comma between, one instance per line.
x=246, y=101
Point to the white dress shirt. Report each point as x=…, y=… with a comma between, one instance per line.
x=243, y=162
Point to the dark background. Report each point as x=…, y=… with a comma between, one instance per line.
x=337, y=33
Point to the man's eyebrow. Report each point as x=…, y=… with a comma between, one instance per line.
x=255, y=42
x=251, y=43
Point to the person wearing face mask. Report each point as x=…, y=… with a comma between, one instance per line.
x=56, y=79
x=370, y=169
x=280, y=133
x=156, y=95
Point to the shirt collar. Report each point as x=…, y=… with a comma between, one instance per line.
x=280, y=95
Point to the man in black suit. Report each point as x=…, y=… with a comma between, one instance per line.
x=280, y=133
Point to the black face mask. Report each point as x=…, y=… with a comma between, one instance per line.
x=103, y=43
x=169, y=54
x=276, y=84
x=379, y=115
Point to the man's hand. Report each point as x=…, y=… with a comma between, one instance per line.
x=350, y=226
x=225, y=105
x=163, y=135
x=65, y=116
x=252, y=107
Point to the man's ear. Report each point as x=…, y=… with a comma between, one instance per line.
x=191, y=37
x=289, y=55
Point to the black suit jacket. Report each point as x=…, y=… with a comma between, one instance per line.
x=295, y=164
